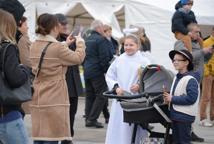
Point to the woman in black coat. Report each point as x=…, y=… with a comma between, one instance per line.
x=11, y=122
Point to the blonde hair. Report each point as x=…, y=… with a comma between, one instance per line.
x=7, y=27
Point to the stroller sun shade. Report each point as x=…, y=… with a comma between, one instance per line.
x=154, y=77
x=152, y=80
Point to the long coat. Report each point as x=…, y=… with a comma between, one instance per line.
x=50, y=103
x=24, y=50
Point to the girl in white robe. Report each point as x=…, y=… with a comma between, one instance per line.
x=122, y=76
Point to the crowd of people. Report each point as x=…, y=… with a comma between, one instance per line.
x=53, y=59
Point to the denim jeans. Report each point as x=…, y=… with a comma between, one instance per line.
x=45, y=142
x=13, y=132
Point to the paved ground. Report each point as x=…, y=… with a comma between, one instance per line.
x=85, y=135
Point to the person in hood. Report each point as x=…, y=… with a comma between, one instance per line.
x=181, y=18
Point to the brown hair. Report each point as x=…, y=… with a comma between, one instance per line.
x=23, y=19
x=141, y=34
x=46, y=22
x=7, y=27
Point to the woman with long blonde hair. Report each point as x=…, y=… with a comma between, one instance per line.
x=12, y=129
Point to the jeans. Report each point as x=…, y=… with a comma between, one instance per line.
x=13, y=132
x=45, y=142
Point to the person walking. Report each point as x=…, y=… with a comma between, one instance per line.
x=12, y=128
x=73, y=80
x=97, y=61
x=50, y=103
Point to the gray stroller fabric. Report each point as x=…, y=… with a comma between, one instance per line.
x=152, y=80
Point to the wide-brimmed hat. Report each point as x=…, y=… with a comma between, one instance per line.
x=186, y=54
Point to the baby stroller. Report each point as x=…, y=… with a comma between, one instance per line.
x=148, y=106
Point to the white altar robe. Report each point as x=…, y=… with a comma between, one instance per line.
x=124, y=71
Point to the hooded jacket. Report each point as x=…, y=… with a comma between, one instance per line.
x=180, y=19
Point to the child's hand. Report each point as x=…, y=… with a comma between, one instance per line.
x=135, y=88
x=167, y=97
x=119, y=91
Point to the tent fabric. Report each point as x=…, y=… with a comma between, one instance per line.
x=154, y=15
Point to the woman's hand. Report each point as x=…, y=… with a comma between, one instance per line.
x=135, y=88
x=70, y=39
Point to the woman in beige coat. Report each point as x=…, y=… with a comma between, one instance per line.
x=50, y=104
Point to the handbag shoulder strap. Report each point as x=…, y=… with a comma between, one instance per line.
x=41, y=58
x=4, y=50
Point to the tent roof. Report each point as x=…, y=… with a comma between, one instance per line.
x=153, y=15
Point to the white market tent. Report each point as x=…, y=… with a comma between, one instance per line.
x=154, y=15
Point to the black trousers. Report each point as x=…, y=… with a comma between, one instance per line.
x=106, y=111
x=95, y=100
x=73, y=111
x=181, y=132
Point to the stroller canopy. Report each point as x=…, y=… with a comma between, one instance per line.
x=154, y=78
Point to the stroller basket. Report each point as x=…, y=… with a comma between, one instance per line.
x=143, y=112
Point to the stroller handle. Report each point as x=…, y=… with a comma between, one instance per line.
x=110, y=94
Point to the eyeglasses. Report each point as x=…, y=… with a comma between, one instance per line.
x=178, y=60
x=197, y=32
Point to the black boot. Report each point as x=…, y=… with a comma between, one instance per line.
x=66, y=142
x=196, y=138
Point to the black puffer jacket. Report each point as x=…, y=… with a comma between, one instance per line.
x=98, y=55
x=180, y=20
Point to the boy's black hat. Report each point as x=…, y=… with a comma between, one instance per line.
x=186, y=54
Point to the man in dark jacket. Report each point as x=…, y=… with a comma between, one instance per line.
x=72, y=77
x=95, y=66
